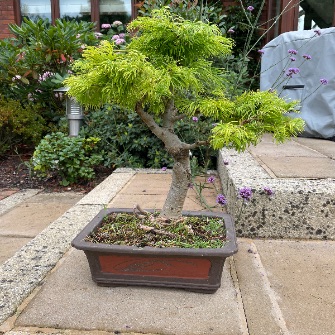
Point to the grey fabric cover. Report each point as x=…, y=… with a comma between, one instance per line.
x=316, y=108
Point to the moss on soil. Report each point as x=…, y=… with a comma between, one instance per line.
x=151, y=230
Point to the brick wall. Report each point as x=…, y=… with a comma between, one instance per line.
x=6, y=17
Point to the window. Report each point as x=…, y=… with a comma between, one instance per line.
x=112, y=10
x=79, y=10
x=36, y=9
x=99, y=11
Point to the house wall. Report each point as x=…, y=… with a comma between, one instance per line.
x=6, y=17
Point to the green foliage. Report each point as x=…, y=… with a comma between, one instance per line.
x=37, y=59
x=18, y=124
x=190, y=232
x=179, y=40
x=149, y=75
x=165, y=73
x=127, y=142
x=242, y=26
x=72, y=158
x=250, y=116
x=208, y=11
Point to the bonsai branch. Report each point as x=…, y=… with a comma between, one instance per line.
x=138, y=208
x=196, y=144
x=178, y=117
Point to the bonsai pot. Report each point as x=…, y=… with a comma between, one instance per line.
x=193, y=269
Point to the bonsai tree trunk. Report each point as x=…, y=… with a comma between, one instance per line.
x=181, y=181
x=181, y=173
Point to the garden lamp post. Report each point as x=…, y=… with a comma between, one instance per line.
x=74, y=112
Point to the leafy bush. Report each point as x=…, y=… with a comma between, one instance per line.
x=18, y=124
x=127, y=141
x=72, y=158
x=38, y=58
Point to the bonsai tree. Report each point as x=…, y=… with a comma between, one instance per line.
x=166, y=74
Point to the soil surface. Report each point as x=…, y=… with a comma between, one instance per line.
x=15, y=174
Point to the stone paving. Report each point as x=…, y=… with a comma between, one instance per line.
x=270, y=286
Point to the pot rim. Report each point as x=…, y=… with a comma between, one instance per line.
x=227, y=250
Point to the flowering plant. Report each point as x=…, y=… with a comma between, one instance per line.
x=178, y=81
x=116, y=32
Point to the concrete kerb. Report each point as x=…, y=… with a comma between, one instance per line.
x=301, y=208
x=26, y=269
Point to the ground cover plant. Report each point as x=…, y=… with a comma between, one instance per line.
x=174, y=81
x=148, y=230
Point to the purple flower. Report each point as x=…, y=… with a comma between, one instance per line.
x=250, y=8
x=307, y=57
x=122, y=35
x=195, y=119
x=97, y=35
x=231, y=31
x=221, y=199
x=292, y=59
x=45, y=76
x=323, y=81
x=211, y=179
x=245, y=193
x=120, y=41
x=106, y=26
x=164, y=168
x=292, y=51
x=115, y=37
x=261, y=51
x=292, y=70
x=268, y=191
x=317, y=32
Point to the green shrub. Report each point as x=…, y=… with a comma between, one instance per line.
x=36, y=60
x=72, y=158
x=127, y=141
x=19, y=124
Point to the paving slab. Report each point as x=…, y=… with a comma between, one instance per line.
x=300, y=167
x=36, y=213
x=287, y=149
x=6, y=192
x=22, y=273
x=10, y=245
x=48, y=331
x=13, y=200
x=291, y=283
x=149, y=190
x=325, y=147
x=69, y=299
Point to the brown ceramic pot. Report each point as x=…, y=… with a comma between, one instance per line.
x=197, y=270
